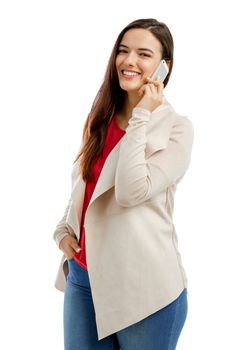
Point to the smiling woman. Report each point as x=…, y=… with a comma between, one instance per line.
x=133, y=60
x=124, y=281
x=139, y=54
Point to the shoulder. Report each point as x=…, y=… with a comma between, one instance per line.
x=180, y=121
x=184, y=123
x=182, y=130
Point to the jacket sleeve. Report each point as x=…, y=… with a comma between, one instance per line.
x=139, y=179
x=62, y=229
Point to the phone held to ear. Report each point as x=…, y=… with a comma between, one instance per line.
x=161, y=71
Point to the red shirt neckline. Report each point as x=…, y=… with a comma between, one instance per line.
x=116, y=124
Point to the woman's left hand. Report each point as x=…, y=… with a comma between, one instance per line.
x=152, y=93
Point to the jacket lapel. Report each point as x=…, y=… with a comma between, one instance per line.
x=107, y=176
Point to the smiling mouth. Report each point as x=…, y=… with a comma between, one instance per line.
x=128, y=73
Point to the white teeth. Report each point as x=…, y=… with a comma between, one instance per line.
x=125, y=72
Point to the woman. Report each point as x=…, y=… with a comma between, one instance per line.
x=125, y=286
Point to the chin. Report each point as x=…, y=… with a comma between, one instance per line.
x=129, y=87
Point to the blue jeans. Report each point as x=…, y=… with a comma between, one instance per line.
x=159, y=331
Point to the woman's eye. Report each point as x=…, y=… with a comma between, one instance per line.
x=141, y=54
x=144, y=54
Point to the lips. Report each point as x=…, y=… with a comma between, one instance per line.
x=130, y=73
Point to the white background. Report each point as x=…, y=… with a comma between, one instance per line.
x=52, y=61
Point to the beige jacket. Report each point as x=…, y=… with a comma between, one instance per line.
x=133, y=261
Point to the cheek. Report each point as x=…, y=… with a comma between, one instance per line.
x=147, y=68
x=151, y=67
x=118, y=62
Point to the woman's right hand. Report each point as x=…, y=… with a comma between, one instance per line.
x=69, y=246
x=151, y=94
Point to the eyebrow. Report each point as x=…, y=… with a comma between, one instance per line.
x=141, y=48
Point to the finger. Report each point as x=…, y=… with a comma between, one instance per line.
x=154, y=82
x=152, y=89
x=70, y=252
x=141, y=90
x=74, y=245
x=69, y=246
x=146, y=91
x=159, y=84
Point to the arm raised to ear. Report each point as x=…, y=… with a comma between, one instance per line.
x=139, y=179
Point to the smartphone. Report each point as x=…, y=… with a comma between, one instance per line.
x=161, y=71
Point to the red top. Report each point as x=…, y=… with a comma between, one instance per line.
x=114, y=134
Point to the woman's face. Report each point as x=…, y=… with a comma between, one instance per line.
x=139, y=55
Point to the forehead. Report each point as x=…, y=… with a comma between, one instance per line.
x=138, y=37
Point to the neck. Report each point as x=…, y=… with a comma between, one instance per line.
x=131, y=100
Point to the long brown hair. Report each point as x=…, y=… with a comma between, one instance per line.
x=110, y=97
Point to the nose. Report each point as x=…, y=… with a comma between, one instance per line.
x=130, y=59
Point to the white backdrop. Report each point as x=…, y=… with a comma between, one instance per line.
x=52, y=61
